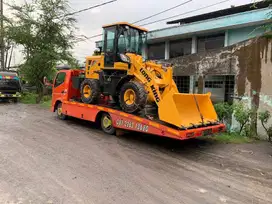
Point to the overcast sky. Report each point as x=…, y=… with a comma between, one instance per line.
x=90, y=22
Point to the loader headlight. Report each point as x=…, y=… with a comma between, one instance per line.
x=125, y=58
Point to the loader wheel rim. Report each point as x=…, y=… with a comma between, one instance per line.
x=107, y=122
x=87, y=91
x=129, y=97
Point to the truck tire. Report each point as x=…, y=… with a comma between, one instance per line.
x=60, y=115
x=89, y=90
x=133, y=97
x=107, y=124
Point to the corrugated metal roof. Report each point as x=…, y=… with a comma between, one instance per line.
x=223, y=12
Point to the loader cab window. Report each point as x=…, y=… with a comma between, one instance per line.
x=109, y=46
x=122, y=39
x=131, y=40
x=60, y=79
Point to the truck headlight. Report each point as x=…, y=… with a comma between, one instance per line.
x=125, y=58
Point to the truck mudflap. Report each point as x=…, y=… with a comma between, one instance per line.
x=130, y=122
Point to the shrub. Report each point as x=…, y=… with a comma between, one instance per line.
x=224, y=111
x=242, y=115
x=264, y=118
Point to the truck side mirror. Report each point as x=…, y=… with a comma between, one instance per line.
x=46, y=82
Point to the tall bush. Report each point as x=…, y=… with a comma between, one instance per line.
x=264, y=117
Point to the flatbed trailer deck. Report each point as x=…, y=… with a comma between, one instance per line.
x=124, y=121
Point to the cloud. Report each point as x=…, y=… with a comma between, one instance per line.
x=95, y=10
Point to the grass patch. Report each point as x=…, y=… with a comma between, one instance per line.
x=30, y=98
x=232, y=138
x=46, y=104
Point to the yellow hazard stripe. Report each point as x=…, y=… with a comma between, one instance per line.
x=111, y=111
x=14, y=95
x=154, y=124
x=173, y=131
x=124, y=114
x=100, y=108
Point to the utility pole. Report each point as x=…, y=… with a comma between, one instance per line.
x=2, y=43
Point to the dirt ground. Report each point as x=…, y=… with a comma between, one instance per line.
x=45, y=160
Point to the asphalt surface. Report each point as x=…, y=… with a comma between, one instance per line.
x=45, y=160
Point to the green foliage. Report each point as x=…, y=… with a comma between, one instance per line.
x=242, y=115
x=46, y=103
x=264, y=117
x=28, y=98
x=224, y=111
x=45, y=30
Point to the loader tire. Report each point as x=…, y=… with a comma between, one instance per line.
x=133, y=97
x=89, y=90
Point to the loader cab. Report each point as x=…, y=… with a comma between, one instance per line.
x=119, y=39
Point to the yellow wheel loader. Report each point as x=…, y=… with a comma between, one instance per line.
x=121, y=73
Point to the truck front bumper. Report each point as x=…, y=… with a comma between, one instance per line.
x=17, y=95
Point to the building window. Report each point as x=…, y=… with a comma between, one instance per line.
x=221, y=88
x=210, y=43
x=180, y=47
x=229, y=88
x=156, y=51
x=183, y=83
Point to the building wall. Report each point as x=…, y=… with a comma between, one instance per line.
x=212, y=25
x=248, y=62
x=245, y=33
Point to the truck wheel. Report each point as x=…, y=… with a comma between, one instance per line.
x=89, y=91
x=59, y=112
x=107, y=124
x=132, y=97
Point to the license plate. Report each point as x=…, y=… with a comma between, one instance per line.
x=207, y=132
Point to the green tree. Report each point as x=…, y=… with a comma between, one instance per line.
x=242, y=115
x=45, y=30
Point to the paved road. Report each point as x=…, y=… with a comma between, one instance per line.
x=44, y=160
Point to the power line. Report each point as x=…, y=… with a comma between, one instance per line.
x=94, y=36
x=89, y=8
x=185, y=13
x=162, y=11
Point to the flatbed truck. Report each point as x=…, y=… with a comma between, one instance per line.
x=66, y=102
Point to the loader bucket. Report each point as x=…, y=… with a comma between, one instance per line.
x=186, y=110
